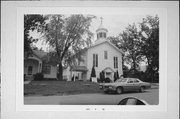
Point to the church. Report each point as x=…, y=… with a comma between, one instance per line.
x=103, y=55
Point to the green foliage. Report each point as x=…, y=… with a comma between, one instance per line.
x=93, y=72
x=116, y=75
x=67, y=35
x=140, y=44
x=150, y=47
x=38, y=77
x=102, y=76
x=31, y=23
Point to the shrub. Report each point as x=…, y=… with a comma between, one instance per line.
x=38, y=76
x=25, y=77
x=107, y=80
x=93, y=72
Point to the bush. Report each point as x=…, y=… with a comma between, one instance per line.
x=93, y=72
x=107, y=80
x=38, y=77
x=25, y=77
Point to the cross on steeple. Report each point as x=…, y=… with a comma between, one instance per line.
x=101, y=19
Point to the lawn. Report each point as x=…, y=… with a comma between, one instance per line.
x=48, y=88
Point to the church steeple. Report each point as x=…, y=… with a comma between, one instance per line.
x=101, y=31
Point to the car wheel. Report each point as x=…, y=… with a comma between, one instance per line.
x=106, y=91
x=141, y=89
x=119, y=90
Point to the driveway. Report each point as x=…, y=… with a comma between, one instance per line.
x=151, y=96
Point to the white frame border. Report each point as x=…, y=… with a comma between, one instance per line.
x=92, y=10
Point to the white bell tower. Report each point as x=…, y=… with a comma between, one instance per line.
x=101, y=32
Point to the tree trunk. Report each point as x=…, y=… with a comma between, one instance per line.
x=60, y=76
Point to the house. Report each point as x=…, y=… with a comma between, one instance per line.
x=103, y=55
x=38, y=62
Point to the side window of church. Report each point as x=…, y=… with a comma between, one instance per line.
x=95, y=60
x=100, y=35
x=46, y=69
x=105, y=55
x=104, y=35
x=115, y=62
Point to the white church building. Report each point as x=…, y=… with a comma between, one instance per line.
x=103, y=55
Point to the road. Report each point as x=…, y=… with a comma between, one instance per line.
x=151, y=96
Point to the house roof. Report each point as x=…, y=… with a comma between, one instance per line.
x=39, y=53
x=79, y=68
x=42, y=55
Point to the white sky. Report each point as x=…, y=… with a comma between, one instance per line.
x=115, y=25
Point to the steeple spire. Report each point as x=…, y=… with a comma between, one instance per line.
x=101, y=20
x=101, y=31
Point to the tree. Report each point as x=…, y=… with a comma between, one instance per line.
x=117, y=73
x=150, y=46
x=141, y=44
x=67, y=35
x=31, y=23
x=130, y=43
x=115, y=76
x=93, y=72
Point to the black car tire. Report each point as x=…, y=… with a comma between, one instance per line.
x=141, y=89
x=119, y=90
x=106, y=91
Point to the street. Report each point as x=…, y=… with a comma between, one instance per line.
x=151, y=96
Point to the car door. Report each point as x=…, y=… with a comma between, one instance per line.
x=136, y=84
x=129, y=85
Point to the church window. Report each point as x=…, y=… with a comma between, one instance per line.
x=105, y=55
x=101, y=35
x=104, y=35
x=115, y=62
x=95, y=60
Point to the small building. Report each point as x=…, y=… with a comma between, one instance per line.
x=38, y=62
x=103, y=55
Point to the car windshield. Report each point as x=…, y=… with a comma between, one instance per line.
x=121, y=80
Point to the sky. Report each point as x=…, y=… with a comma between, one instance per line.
x=114, y=23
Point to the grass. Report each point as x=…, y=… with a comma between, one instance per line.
x=48, y=88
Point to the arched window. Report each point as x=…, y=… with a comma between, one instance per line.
x=104, y=35
x=101, y=35
x=30, y=70
x=97, y=36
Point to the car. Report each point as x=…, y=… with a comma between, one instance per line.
x=132, y=101
x=125, y=84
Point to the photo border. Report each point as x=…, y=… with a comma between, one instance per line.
x=95, y=11
x=10, y=109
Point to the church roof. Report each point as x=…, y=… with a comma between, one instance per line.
x=106, y=41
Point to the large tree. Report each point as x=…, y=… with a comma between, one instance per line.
x=150, y=46
x=128, y=41
x=67, y=35
x=140, y=42
x=32, y=22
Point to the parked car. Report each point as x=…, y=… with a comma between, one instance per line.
x=125, y=84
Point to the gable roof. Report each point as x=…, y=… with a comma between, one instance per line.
x=40, y=54
x=43, y=56
x=106, y=41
